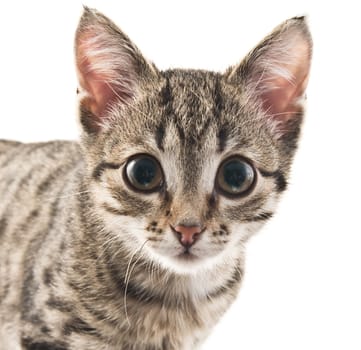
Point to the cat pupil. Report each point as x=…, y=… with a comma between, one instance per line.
x=144, y=172
x=235, y=174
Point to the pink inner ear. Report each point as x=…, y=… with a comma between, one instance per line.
x=281, y=94
x=100, y=92
x=103, y=72
x=281, y=100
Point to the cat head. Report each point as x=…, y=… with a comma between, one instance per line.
x=187, y=164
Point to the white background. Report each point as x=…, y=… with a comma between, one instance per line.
x=302, y=288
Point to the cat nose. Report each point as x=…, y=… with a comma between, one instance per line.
x=187, y=235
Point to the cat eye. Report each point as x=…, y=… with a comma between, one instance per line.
x=235, y=177
x=143, y=173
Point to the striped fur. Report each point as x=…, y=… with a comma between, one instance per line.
x=87, y=262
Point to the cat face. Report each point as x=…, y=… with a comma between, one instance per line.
x=185, y=165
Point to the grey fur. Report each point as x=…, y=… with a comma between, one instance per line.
x=87, y=263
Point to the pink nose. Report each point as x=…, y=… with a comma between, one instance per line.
x=187, y=235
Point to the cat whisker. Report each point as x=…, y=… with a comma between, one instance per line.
x=112, y=240
x=151, y=268
x=156, y=276
x=128, y=275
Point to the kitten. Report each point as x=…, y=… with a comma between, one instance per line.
x=134, y=238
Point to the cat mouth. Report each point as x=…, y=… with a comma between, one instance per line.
x=187, y=255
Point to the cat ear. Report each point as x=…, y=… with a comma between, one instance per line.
x=276, y=73
x=111, y=69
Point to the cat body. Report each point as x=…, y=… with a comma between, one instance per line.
x=134, y=237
